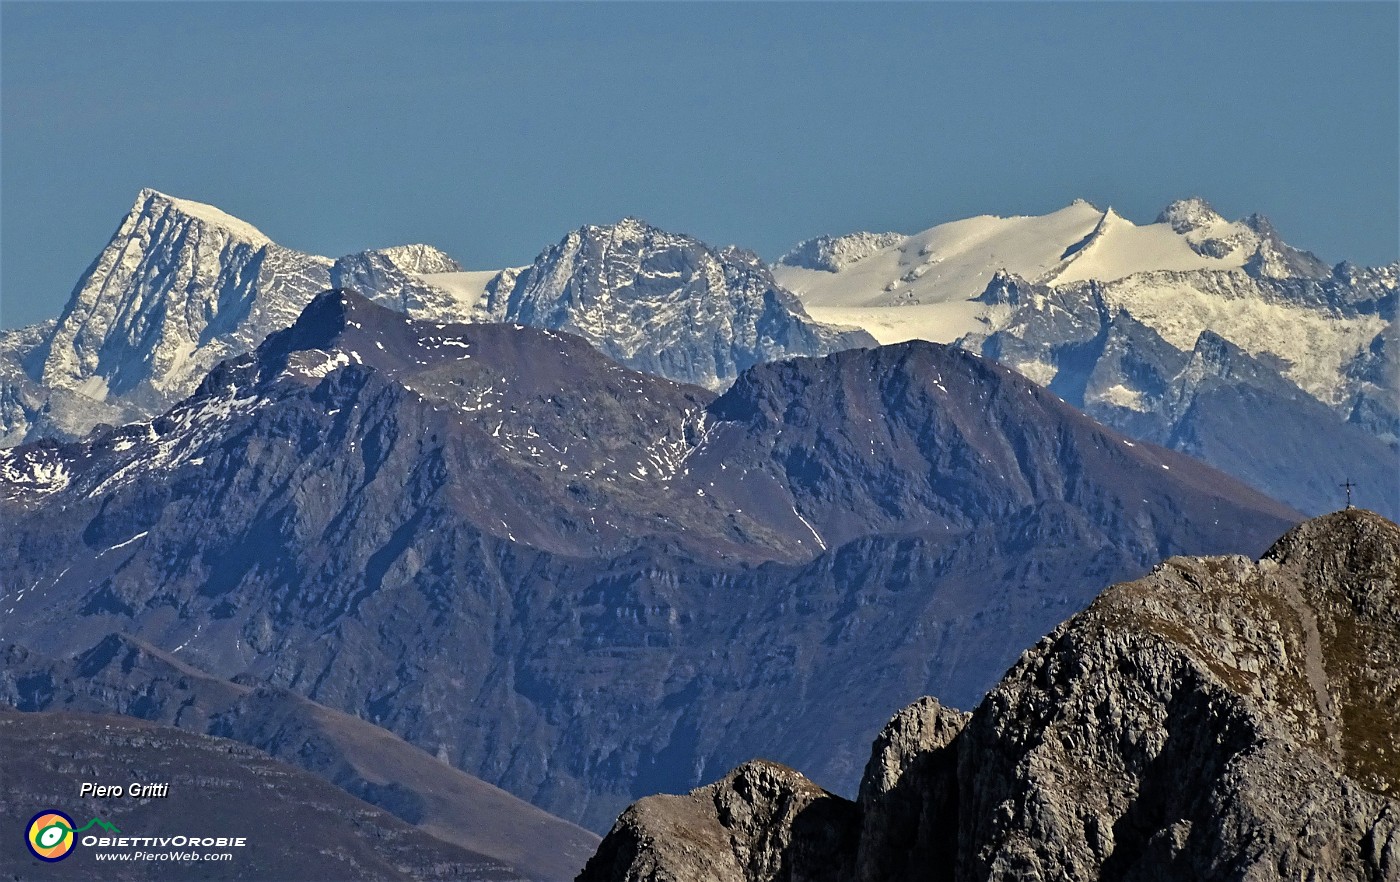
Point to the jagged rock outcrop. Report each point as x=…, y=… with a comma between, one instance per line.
x=763, y=822
x=1190, y=214
x=835, y=253
x=1170, y=727
x=1220, y=718
x=1276, y=259
x=908, y=796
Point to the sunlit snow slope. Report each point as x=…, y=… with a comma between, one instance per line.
x=1188, y=273
x=932, y=275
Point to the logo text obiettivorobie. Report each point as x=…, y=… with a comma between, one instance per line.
x=51, y=836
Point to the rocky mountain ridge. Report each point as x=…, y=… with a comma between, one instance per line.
x=1324, y=336
x=1166, y=732
x=180, y=287
x=574, y=579
x=1212, y=400
x=1109, y=315
x=664, y=303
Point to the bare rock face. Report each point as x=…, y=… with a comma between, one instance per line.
x=665, y=304
x=1220, y=718
x=180, y=287
x=763, y=822
x=908, y=796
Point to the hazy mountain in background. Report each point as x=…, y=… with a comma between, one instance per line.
x=1118, y=319
x=1211, y=337
x=663, y=303
x=182, y=286
x=1214, y=401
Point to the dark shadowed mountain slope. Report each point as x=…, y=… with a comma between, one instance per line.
x=584, y=584
x=1218, y=719
x=122, y=675
x=917, y=437
x=298, y=828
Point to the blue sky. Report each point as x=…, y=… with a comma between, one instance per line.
x=491, y=130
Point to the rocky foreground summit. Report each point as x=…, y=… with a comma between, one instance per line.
x=1220, y=718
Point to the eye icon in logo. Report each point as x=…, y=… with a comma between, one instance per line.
x=50, y=836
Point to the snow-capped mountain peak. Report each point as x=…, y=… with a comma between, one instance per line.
x=140, y=314
x=180, y=286
x=183, y=285
x=1275, y=259
x=663, y=302
x=629, y=227
x=843, y=277
x=946, y=264
x=151, y=202
x=1190, y=271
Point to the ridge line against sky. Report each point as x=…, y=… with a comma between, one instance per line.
x=491, y=130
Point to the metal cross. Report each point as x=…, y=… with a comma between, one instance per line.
x=1348, y=485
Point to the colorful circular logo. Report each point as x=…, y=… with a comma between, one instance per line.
x=50, y=835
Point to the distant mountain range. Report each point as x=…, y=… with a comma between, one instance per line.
x=182, y=286
x=1211, y=337
x=584, y=583
x=662, y=303
x=1220, y=718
